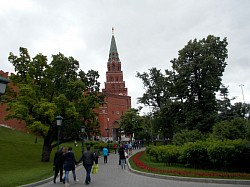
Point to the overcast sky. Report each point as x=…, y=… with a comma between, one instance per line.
x=148, y=33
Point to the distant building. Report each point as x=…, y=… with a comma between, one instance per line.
x=12, y=123
x=117, y=101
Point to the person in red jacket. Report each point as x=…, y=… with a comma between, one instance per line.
x=115, y=147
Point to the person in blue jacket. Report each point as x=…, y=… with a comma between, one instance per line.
x=105, y=154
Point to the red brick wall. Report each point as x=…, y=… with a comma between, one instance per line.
x=115, y=107
x=12, y=122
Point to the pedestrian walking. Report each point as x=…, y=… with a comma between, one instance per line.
x=58, y=164
x=122, y=157
x=105, y=154
x=115, y=147
x=96, y=155
x=129, y=148
x=87, y=159
x=75, y=143
x=69, y=165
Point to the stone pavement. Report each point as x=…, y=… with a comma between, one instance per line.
x=111, y=175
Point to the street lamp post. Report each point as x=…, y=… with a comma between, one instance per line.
x=107, y=130
x=83, y=131
x=244, y=103
x=59, y=124
x=3, y=84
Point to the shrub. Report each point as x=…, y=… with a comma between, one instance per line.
x=170, y=154
x=185, y=136
x=153, y=151
x=194, y=154
x=226, y=153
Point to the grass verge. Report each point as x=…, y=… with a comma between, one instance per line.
x=20, y=158
x=141, y=162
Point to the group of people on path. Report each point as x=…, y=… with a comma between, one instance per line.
x=64, y=160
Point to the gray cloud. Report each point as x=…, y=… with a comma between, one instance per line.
x=148, y=34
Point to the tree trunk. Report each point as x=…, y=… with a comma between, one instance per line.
x=47, y=145
x=46, y=152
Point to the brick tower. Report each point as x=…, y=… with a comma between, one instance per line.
x=117, y=101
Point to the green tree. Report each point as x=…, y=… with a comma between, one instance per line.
x=158, y=91
x=47, y=90
x=131, y=122
x=234, y=129
x=157, y=88
x=198, y=71
x=224, y=104
x=168, y=119
x=185, y=136
x=241, y=110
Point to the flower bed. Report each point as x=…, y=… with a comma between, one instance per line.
x=143, y=166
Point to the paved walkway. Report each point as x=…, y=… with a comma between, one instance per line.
x=111, y=175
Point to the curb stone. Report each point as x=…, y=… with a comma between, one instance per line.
x=41, y=182
x=38, y=183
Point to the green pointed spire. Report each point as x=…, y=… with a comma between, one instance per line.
x=113, y=48
x=113, y=53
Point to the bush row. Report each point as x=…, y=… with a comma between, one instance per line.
x=214, y=154
x=99, y=145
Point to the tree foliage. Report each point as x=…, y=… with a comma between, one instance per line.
x=234, y=129
x=186, y=95
x=198, y=74
x=47, y=90
x=185, y=136
x=131, y=122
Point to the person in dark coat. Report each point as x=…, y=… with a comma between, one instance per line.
x=122, y=156
x=96, y=155
x=58, y=164
x=88, y=160
x=69, y=165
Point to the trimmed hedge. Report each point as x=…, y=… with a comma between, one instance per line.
x=216, y=154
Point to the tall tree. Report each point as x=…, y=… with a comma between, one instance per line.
x=198, y=71
x=224, y=105
x=157, y=88
x=131, y=122
x=159, y=92
x=47, y=90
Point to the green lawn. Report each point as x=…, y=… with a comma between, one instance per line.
x=20, y=158
x=180, y=170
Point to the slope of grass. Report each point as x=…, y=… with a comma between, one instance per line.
x=20, y=158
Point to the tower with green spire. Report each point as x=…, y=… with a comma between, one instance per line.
x=114, y=76
x=116, y=101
